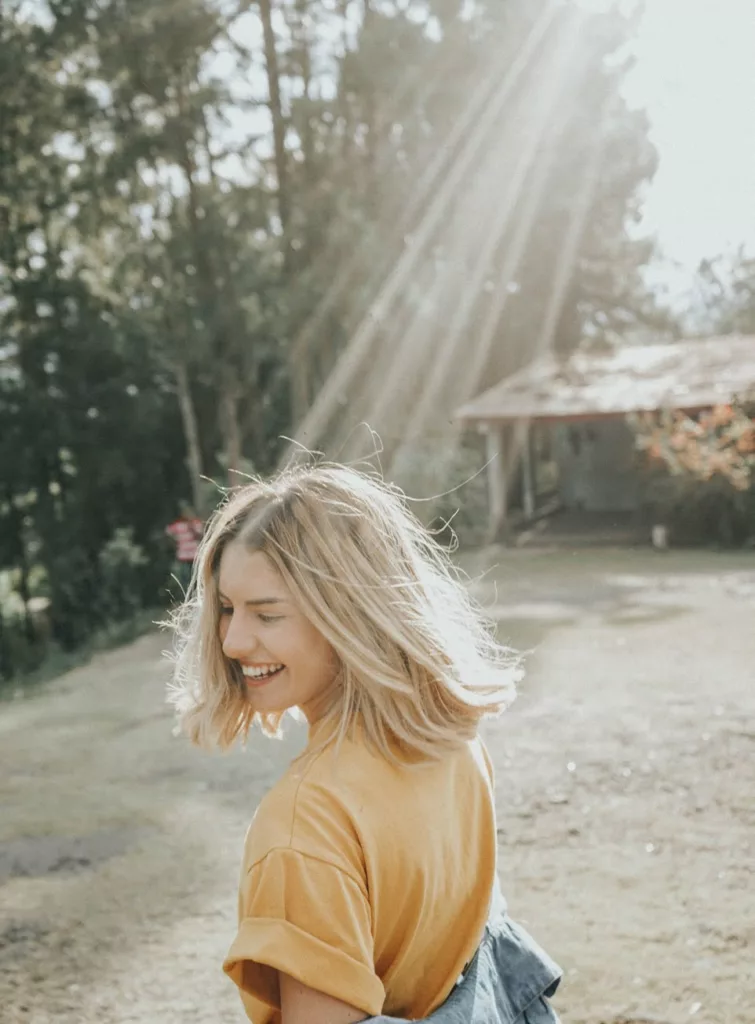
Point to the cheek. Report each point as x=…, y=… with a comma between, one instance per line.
x=313, y=652
x=325, y=657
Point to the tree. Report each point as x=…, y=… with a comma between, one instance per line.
x=724, y=299
x=77, y=396
x=197, y=216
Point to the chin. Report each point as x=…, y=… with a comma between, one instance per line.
x=269, y=704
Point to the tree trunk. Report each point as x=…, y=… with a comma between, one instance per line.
x=7, y=667
x=308, y=141
x=191, y=433
x=25, y=593
x=370, y=119
x=279, y=125
x=347, y=136
x=298, y=366
x=231, y=427
x=19, y=543
x=224, y=310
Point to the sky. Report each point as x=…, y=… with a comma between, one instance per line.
x=695, y=75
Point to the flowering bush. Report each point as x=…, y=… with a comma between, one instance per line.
x=701, y=480
x=720, y=442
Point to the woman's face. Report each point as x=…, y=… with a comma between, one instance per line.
x=285, y=660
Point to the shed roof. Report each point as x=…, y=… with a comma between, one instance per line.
x=690, y=374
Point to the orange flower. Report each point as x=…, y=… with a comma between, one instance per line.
x=722, y=415
x=746, y=442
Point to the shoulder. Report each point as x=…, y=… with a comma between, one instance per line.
x=483, y=759
x=325, y=807
x=306, y=813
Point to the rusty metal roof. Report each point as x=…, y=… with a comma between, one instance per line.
x=691, y=374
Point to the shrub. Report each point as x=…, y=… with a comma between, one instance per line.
x=701, y=473
x=121, y=564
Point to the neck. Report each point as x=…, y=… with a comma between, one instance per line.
x=316, y=709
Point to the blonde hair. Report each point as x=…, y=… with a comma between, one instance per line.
x=419, y=664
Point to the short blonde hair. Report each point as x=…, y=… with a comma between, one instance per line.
x=419, y=664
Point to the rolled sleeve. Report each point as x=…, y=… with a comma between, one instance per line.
x=311, y=920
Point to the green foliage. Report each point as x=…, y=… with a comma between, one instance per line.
x=725, y=295
x=699, y=512
x=167, y=228
x=121, y=563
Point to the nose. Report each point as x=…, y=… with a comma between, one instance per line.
x=239, y=641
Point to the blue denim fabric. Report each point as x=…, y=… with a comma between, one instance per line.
x=507, y=982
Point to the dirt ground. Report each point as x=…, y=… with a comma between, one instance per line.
x=626, y=794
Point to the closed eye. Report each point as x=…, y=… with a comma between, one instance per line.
x=225, y=609
x=269, y=618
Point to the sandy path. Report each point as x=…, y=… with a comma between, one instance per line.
x=626, y=779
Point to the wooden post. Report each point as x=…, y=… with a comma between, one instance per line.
x=528, y=480
x=496, y=466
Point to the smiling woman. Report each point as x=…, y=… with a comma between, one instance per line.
x=285, y=661
x=369, y=872
x=350, y=570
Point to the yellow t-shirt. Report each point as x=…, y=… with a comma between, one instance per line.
x=366, y=881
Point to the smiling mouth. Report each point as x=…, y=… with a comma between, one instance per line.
x=257, y=675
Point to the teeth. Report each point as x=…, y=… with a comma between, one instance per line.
x=260, y=671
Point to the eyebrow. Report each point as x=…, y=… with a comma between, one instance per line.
x=257, y=601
